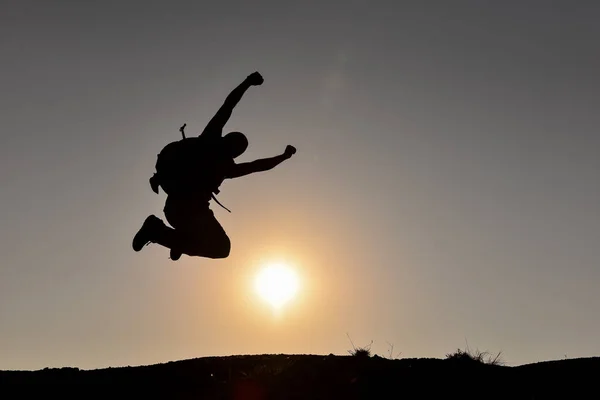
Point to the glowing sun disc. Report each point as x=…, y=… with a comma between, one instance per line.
x=276, y=284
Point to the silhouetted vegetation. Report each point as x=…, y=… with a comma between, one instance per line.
x=361, y=352
x=477, y=356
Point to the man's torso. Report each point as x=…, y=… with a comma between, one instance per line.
x=208, y=167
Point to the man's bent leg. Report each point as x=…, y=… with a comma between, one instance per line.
x=199, y=234
x=211, y=245
x=210, y=240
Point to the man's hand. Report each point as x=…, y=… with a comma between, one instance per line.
x=255, y=79
x=289, y=151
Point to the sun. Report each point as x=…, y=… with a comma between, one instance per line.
x=277, y=284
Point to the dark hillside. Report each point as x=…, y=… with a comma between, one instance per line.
x=312, y=377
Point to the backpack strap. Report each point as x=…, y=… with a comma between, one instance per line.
x=215, y=199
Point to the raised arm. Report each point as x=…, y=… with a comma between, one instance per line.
x=263, y=164
x=216, y=124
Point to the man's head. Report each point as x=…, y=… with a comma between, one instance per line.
x=236, y=143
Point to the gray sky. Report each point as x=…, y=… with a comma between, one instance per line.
x=445, y=187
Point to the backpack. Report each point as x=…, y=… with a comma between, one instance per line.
x=179, y=168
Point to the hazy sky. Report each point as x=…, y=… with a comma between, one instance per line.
x=445, y=187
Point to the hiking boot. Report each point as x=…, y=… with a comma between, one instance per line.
x=175, y=254
x=147, y=232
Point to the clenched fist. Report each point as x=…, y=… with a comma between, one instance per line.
x=289, y=151
x=255, y=79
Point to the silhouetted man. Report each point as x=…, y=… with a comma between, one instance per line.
x=196, y=230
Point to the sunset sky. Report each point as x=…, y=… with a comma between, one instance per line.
x=445, y=190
